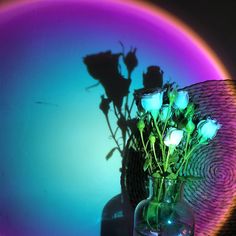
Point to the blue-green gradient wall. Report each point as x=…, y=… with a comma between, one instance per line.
x=54, y=179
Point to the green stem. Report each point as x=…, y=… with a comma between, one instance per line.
x=186, y=147
x=144, y=146
x=167, y=160
x=155, y=156
x=161, y=139
x=147, y=143
x=150, y=166
x=185, y=165
x=150, y=205
x=185, y=151
x=187, y=157
x=160, y=189
x=168, y=114
x=158, y=200
x=145, y=149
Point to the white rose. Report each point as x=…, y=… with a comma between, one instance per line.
x=164, y=113
x=173, y=137
x=181, y=100
x=208, y=128
x=152, y=102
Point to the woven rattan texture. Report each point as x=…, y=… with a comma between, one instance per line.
x=212, y=197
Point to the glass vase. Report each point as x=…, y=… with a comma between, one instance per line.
x=164, y=212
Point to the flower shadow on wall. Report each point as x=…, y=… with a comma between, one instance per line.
x=117, y=216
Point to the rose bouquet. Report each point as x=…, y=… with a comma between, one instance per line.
x=169, y=130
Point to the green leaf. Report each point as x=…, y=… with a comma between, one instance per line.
x=109, y=154
x=174, y=158
x=169, y=170
x=146, y=164
x=172, y=176
x=156, y=175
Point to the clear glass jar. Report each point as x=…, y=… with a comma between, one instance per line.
x=164, y=212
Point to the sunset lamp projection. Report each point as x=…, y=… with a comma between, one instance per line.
x=60, y=165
